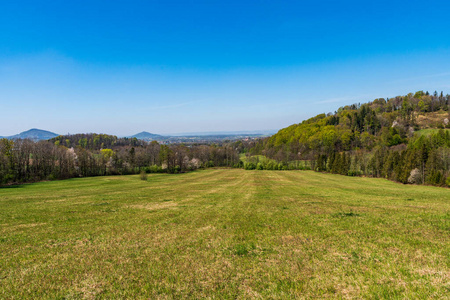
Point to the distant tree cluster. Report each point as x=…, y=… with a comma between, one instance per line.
x=93, y=141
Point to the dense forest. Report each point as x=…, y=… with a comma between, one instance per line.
x=405, y=139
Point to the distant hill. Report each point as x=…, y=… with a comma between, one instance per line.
x=147, y=136
x=34, y=134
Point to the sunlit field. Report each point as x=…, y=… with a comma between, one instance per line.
x=225, y=234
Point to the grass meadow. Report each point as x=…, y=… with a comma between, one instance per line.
x=224, y=234
x=429, y=131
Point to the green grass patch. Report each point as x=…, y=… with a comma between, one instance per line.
x=429, y=131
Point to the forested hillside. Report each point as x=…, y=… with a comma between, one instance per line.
x=404, y=139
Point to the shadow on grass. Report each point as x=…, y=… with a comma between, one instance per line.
x=346, y=214
x=12, y=186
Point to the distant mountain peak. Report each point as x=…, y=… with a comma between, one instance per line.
x=144, y=135
x=36, y=130
x=34, y=134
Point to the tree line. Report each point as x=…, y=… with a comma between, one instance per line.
x=96, y=155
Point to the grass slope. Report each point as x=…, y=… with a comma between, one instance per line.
x=224, y=234
x=429, y=131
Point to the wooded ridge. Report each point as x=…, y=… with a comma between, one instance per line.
x=405, y=139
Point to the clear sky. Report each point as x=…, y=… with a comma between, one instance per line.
x=121, y=67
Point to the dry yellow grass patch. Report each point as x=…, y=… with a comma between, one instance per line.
x=431, y=119
x=155, y=206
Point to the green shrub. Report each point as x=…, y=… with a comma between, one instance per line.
x=249, y=166
x=354, y=173
x=271, y=165
x=143, y=175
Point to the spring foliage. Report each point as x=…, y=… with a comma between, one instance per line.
x=382, y=138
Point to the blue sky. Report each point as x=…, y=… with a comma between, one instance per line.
x=121, y=67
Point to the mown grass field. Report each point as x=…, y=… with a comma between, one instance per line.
x=225, y=234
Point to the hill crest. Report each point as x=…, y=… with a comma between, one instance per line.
x=145, y=135
x=34, y=134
